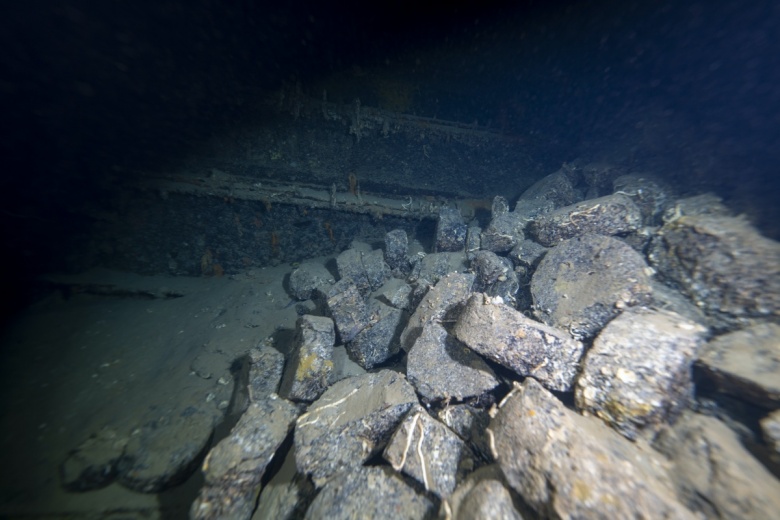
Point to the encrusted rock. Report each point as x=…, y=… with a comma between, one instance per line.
x=611, y=215
x=397, y=252
x=723, y=264
x=494, y=276
x=770, y=428
x=504, y=232
x=651, y=195
x=367, y=269
x=715, y=474
x=556, y=188
x=372, y=492
x=529, y=348
x=441, y=367
x=429, y=452
x=93, y=464
x=746, y=363
x=379, y=341
x=443, y=299
x=637, y=375
x=527, y=253
x=166, y=451
x=469, y=422
x=450, y=231
x=348, y=309
x=432, y=267
x=308, y=279
x=704, y=204
x=584, y=282
x=287, y=495
x=260, y=376
x=234, y=468
x=311, y=360
x=350, y=423
x=396, y=293
x=482, y=495
x=473, y=241
x=565, y=465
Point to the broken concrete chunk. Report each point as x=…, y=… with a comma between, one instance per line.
x=611, y=215
x=429, y=452
x=584, y=282
x=746, y=363
x=350, y=423
x=529, y=348
x=370, y=492
x=367, y=270
x=348, y=309
x=440, y=367
x=440, y=301
x=93, y=464
x=723, y=264
x=450, y=231
x=166, y=450
x=715, y=474
x=637, y=375
x=379, y=341
x=308, y=279
x=482, y=495
x=397, y=252
x=234, y=468
x=311, y=359
x=495, y=276
x=503, y=233
x=565, y=465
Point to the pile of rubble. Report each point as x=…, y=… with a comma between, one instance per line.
x=543, y=366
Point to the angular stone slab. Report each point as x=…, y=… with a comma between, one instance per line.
x=650, y=194
x=397, y=252
x=482, y=495
x=372, y=492
x=165, y=452
x=503, y=233
x=350, y=423
x=584, y=282
x=348, y=309
x=367, y=270
x=441, y=368
x=449, y=293
x=436, y=265
x=527, y=254
x=308, y=370
x=746, y=363
x=93, y=464
x=527, y=347
x=495, y=276
x=234, y=468
x=450, y=231
x=565, y=465
x=770, y=429
x=637, y=375
x=309, y=279
x=429, y=452
x=611, y=215
x=379, y=341
x=715, y=474
x=723, y=264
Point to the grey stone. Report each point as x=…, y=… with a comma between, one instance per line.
x=584, y=282
x=473, y=241
x=611, y=215
x=93, y=464
x=397, y=251
x=432, y=267
x=704, y=204
x=746, y=363
x=442, y=368
x=500, y=206
x=397, y=293
x=450, y=231
x=348, y=309
x=287, y=495
x=556, y=189
x=166, y=450
x=503, y=233
x=310, y=364
x=770, y=429
x=350, y=423
x=439, y=302
x=482, y=495
x=373, y=492
x=565, y=465
x=527, y=253
x=723, y=264
x=494, y=276
x=378, y=341
x=234, y=468
x=470, y=423
x=367, y=270
x=260, y=376
x=308, y=279
x=429, y=452
x=715, y=474
x=650, y=194
x=637, y=375
x=529, y=348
